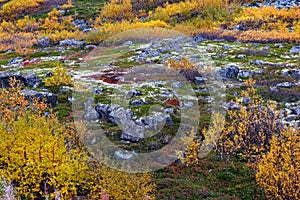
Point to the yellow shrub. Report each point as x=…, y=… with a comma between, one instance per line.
x=186, y=7
x=110, y=29
x=297, y=27
x=119, y=185
x=249, y=129
x=7, y=27
x=44, y=158
x=62, y=35
x=269, y=13
x=55, y=21
x=198, y=149
x=27, y=24
x=117, y=10
x=20, y=42
x=59, y=77
x=15, y=7
x=279, y=26
x=279, y=170
x=33, y=150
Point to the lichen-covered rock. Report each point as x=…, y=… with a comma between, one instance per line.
x=50, y=99
x=71, y=42
x=230, y=71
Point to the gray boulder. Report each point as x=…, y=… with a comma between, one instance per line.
x=44, y=42
x=91, y=114
x=241, y=56
x=295, y=49
x=50, y=99
x=133, y=93
x=244, y=74
x=199, y=80
x=104, y=111
x=90, y=47
x=5, y=78
x=138, y=102
x=31, y=80
x=296, y=110
x=256, y=62
x=81, y=24
x=285, y=85
x=28, y=80
x=230, y=71
x=15, y=61
x=71, y=42
x=87, y=30
x=127, y=137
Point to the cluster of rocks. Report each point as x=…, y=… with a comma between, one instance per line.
x=29, y=80
x=280, y=4
x=232, y=71
x=291, y=115
x=133, y=128
x=161, y=50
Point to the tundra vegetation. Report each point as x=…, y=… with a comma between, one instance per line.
x=253, y=151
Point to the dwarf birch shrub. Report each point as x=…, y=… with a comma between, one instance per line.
x=279, y=170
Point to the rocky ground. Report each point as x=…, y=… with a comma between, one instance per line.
x=128, y=79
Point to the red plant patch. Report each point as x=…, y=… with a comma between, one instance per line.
x=172, y=102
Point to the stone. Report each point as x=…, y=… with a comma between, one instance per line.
x=244, y=74
x=256, y=62
x=230, y=71
x=169, y=119
x=296, y=110
x=241, y=56
x=48, y=74
x=127, y=43
x=50, y=99
x=87, y=30
x=177, y=85
x=279, y=45
x=169, y=110
x=133, y=93
x=71, y=42
x=239, y=27
x=91, y=114
x=81, y=24
x=90, y=47
x=124, y=154
x=232, y=106
x=226, y=47
x=295, y=49
x=199, y=80
x=165, y=139
x=138, y=102
x=130, y=138
x=44, y=42
x=99, y=90
x=104, y=110
x=31, y=80
x=5, y=78
x=16, y=61
x=285, y=85
x=293, y=73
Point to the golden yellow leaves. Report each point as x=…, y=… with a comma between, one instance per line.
x=179, y=65
x=33, y=150
x=14, y=7
x=250, y=128
x=59, y=77
x=279, y=170
x=117, y=11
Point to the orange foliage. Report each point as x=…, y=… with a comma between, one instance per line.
x=15, y=7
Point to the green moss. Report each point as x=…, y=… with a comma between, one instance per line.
x=211, y=179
